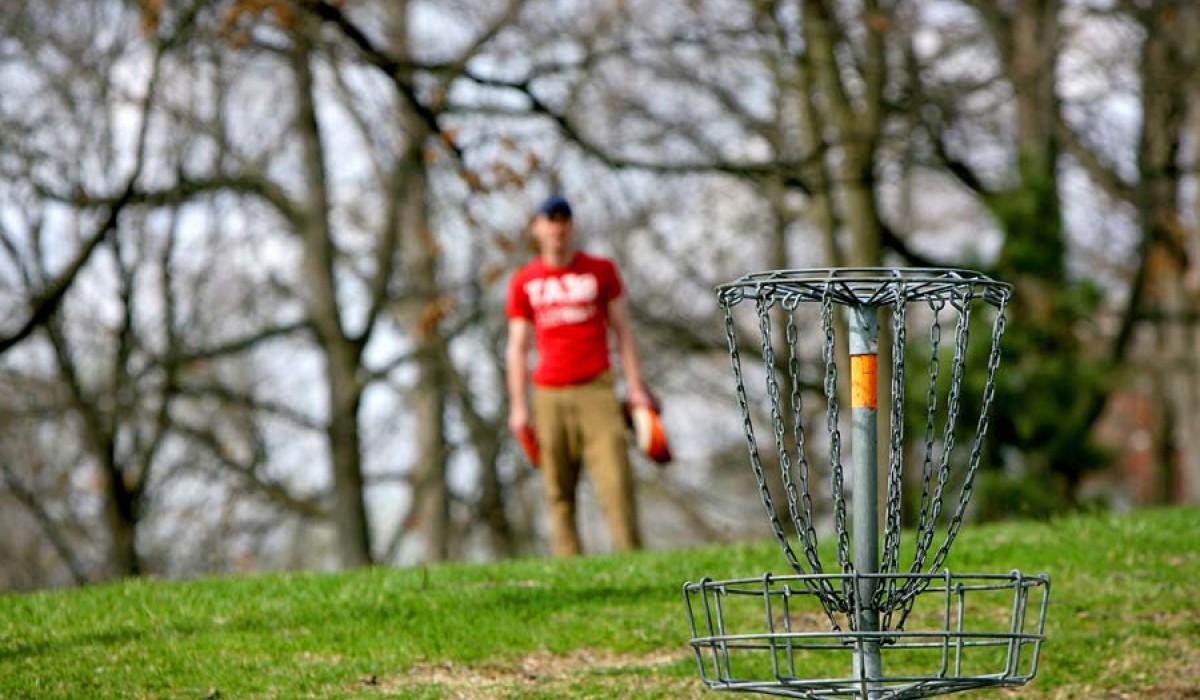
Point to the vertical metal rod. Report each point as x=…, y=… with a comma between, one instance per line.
x=1016, y=645
x=864, y=353
x=1041, y=628
x=718, y=592
x=787, y=626
x=687, y=599
x=945, y=626
x=766, y=584
x=962, y=613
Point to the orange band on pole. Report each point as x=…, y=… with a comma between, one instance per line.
x=863, y=385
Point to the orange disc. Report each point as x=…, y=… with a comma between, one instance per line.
x=529, y=442
x=650, y=436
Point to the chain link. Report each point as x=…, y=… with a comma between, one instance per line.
x=935, y=340
x=981, y=428
x=891, y=540
x=958, y=365
x=828, y=354
x=763, y=305
x=915, y=586
x=751, y=443
x=924, y=523
x=804, y=524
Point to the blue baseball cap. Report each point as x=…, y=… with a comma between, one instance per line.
x=555, y=205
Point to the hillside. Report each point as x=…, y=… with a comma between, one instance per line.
x=1124, y=622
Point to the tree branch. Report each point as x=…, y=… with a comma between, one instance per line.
x=186, y=188
x=179, y=358
x=46, y=302
x=1103, y=174
x=789, y=170
x=455, y=69
x=241, y=400
x=44, y=520
x=394, y=69
x=273, y=490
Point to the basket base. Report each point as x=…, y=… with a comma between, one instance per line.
x=951, y=633
x=846, y=689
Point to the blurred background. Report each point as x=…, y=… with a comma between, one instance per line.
x=253, y=253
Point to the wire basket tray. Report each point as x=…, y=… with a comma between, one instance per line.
x=969, y=631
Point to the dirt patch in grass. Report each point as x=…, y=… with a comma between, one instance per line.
x=1181, y=678
x=540, y=669
x=1178, y=679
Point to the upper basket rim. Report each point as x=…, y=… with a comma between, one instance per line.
x=866, y=286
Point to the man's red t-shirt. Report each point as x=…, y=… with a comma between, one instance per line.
x=568, y=307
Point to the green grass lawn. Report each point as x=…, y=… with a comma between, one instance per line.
x=1124, y=622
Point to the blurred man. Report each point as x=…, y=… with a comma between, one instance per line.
x=566, y=301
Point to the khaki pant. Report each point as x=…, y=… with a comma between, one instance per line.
x=583, y=423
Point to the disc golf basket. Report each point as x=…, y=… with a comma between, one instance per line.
x=884, y=623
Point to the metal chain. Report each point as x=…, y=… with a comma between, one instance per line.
x=961, y=335
x=835, y=436
x=891, y=540
x=804, y=525
x=751, y=443
x=981, y=428
x=935, y=339
x=763, y=305
x=892, y=598
x=924, y=523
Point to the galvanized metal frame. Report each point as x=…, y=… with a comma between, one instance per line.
x=873, y=601
x=864, y=286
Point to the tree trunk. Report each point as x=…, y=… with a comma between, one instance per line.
x=857, y=128
x=428, y=402
x=431, y=513
x=342, y=356
x=1164, y=108
x=120, y=512
x=121, y=502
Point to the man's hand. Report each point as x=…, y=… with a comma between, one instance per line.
x=639, y=397
x=518, y=419
x=519, y=332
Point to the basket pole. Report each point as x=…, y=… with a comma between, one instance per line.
x=864, y=352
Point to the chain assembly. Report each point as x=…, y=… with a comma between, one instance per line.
x=893, y=292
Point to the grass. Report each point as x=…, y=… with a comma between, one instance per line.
x=1124, y=622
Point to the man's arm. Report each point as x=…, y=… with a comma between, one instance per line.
x=516, y=358
x=618, y=319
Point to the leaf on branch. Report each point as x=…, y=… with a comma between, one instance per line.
x=492, y=274
x=434, y=312
x=504, y=243
x=877, y=21
x=473, y=180
x=250, y=11
x=151, y=15
x=429, y=241
x=437, y=99
x=504, y=174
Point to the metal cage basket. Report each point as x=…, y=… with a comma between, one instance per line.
x=911, y=628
